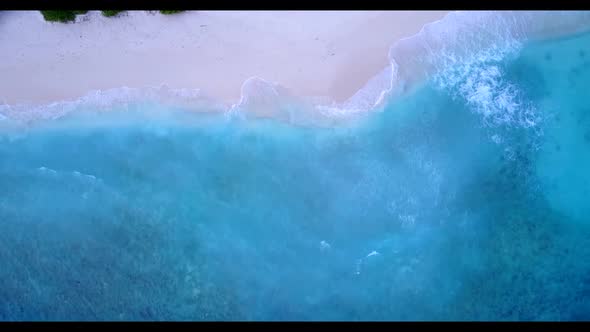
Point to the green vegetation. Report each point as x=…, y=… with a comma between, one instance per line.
x=109, y=13
x=66, y=16
x=170, y=12
x=63, y=16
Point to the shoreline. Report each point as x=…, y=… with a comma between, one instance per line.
x=410, y=61
x=310, y=53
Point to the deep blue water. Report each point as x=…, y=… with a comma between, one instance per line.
x=468, y=202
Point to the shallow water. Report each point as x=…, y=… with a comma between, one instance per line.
x=466, y=200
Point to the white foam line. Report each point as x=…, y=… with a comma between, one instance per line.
x=46, y=170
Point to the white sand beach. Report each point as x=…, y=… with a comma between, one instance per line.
x=311, y=53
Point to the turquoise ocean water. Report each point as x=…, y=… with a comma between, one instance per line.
x=466, y=199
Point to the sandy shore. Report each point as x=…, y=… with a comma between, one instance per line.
x=312, y=53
